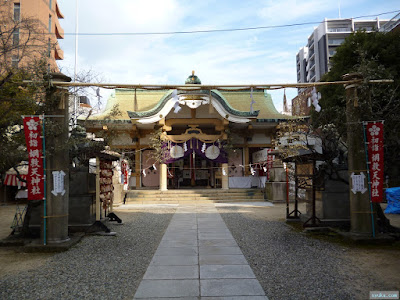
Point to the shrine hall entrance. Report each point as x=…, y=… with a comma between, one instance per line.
x=194, y=171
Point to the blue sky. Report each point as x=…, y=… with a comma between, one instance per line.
x=239, y=57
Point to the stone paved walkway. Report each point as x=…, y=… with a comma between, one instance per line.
x=199, y=259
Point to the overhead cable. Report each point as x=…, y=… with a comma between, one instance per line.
x=215, y=30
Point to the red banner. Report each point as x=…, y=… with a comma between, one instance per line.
x=32, y=128
x=375, y=159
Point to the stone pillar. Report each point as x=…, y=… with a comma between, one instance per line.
x=163, y=177
x=360, y=211
x=225, y=177
x=57, y=126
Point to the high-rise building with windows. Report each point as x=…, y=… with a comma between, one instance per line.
x=313, y=60
x=30, y=28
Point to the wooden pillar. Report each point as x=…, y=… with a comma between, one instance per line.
x=138, y=173
x=98, y=206
x=246, y=160
x=225, y=176
x=163, y=177
x=192, y=170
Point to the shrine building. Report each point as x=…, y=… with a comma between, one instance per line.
x=209, y=138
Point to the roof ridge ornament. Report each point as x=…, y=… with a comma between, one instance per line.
x=193, y=79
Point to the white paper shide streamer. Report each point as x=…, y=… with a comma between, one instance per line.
x=175, y=99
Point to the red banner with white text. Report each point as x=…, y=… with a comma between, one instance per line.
x=375, y=159
x=33, y=138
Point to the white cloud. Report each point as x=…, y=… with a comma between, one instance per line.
x=282, y=12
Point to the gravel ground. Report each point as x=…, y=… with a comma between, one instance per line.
x=99, y=267
x=288, y=264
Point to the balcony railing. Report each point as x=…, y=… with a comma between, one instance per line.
x=340, y=29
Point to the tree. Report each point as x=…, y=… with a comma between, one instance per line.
x=24, y=57
x=375, y=56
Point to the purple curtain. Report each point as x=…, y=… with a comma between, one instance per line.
x=197, y=146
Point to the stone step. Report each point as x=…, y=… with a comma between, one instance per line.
x=195, y=195
x=133, y=196
x=169, y=194
x=205, y=191
x=194, y=199
x=188, y=201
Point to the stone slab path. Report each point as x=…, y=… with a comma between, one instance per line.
x=199, y=259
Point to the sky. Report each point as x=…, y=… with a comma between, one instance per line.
x=237, y=57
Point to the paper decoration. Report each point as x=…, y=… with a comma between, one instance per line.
x=177, y=109
x=185, y=148
x=154, y=167
x=358, y=183
x=58, y=183
x=315, y=97
x=223, y=172
x=144, y=173
x=175, y=98
x=203, y=148
x=253, y=172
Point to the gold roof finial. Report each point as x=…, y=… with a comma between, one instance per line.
x=193, y=73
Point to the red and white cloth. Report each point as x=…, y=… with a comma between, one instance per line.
x=12, y=180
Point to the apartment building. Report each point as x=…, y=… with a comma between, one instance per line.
x=313, y=60
x=31, y=28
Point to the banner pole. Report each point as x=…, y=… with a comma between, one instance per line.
x=369, y=180
x=44, y=185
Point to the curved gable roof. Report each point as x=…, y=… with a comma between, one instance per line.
x=150, y=102
x=215, y=94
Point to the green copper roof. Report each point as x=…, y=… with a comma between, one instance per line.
x=193, y=79
x=215, y=94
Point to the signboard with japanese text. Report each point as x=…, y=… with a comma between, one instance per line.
x=375, y=158
x=33, y=138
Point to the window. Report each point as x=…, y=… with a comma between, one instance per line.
x=49, y=23
x=16, y=37
x=335, y=41
x=50, y=3
x=17, y=11
x=14, y=61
